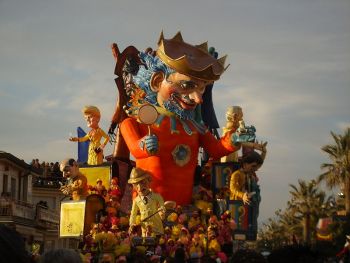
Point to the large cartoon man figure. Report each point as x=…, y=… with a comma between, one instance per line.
x=174, y=81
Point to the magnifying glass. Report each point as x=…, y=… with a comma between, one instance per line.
x=148, y=115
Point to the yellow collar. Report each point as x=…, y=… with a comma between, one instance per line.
x=163, y=111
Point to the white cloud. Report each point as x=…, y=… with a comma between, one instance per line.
x=41, y=105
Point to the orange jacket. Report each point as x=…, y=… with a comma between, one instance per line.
x=171, y=178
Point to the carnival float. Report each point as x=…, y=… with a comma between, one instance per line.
x=172, y=183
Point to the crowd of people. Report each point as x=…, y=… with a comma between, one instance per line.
x=12, y=250
x=47, y=169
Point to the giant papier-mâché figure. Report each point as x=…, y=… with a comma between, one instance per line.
x=173, y=80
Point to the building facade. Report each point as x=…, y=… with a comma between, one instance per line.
x=30, y=203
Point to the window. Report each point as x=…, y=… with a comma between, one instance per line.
x=25, y=188
x=5, y=182
x=13, y=187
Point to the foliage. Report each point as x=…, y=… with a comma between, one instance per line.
x=305, y=204
x=337, y=173
x=289, y=227
x=308, y=203
x=273, y=234
x=340, y=228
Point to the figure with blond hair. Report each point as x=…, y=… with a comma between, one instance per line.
x=92, y=116
x=234, y=116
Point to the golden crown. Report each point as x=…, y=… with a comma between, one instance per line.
x=187, y=59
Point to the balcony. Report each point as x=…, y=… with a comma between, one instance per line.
x=27, y=214
x=16, y=211
x=48, y=182
x=47, y=218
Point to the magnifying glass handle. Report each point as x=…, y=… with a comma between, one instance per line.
x=149, y=130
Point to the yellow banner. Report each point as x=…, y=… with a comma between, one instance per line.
x=72, y=218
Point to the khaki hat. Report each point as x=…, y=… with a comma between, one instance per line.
x=137, y=175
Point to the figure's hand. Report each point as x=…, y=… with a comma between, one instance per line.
x=235, y=139
x=246, y=198
x=98, y=149
x=248, y=136
x=73, y=139
x=151, y=143
x=162, y=211
x=65, y=189
x=263, y=146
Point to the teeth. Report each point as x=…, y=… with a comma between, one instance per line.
x=186, y=98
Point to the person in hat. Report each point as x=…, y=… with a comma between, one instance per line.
x=149, y=204
x=92, y=116
x=76, y=186
x=99, y=188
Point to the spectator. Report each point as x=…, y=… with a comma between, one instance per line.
x=56, y=170
x=35, y=163
x=292, y=254
x=61, y=256
x=247, y=256
x=12, y=247
x=180, y=255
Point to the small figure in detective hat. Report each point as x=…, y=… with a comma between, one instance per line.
x=149, y=204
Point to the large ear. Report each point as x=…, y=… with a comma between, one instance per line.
x=156, y=80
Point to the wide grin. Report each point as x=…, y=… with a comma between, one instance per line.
x=183, y=101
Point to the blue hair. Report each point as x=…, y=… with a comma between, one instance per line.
x=151, y=64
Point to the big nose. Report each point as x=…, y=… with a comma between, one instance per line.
x=196, y=97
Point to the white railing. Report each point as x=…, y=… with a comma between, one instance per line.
x=23, y=210
x=10, y=207
x=47, y=215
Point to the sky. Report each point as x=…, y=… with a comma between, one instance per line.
x=289, y=71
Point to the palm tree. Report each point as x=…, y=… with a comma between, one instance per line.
x=337, y=173
x=305, y=205
x=290, y=224
x=273, y=235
